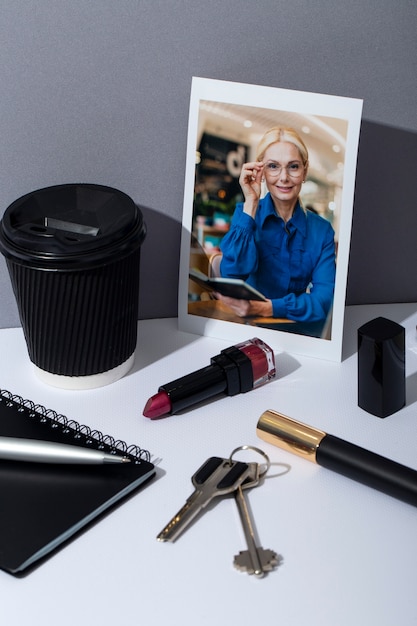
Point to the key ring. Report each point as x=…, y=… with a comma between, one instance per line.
x=254, y=449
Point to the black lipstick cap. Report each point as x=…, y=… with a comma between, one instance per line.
x=381, y=367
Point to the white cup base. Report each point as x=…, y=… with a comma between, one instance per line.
x=85, y=382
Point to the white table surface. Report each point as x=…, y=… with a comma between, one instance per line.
x=349, y=552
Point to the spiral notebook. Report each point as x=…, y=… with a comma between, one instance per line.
x=43, y=505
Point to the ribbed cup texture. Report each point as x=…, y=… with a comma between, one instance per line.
x=79, y=323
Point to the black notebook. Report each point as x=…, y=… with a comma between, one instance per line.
x=231, y=287
x=42, y=505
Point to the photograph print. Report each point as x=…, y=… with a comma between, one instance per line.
x=267, y=215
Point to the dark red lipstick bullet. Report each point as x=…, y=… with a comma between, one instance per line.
x=237, y=369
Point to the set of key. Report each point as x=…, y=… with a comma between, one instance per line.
x=220, y=477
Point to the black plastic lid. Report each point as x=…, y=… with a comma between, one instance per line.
x=71, y=226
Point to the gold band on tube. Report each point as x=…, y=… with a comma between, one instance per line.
x=290, y=435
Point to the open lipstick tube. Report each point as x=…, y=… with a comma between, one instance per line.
x=237, y=369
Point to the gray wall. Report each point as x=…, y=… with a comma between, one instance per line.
x=98, y=91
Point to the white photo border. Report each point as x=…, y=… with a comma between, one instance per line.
x=312, y=104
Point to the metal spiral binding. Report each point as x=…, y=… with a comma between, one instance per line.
x=74, y=428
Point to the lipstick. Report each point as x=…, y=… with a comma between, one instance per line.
x=237, y=369
x=340, y=456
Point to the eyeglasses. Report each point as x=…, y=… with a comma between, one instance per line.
x=295, y=169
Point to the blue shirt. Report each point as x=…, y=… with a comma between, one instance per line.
x=292, y=264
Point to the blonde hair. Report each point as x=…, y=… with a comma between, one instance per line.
x=283, y=134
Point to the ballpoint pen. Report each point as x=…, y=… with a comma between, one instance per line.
x=34, y=450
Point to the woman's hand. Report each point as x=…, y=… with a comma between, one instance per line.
x=245, y=308
x=250, y=182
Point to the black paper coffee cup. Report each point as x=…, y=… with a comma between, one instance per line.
x=73, y=255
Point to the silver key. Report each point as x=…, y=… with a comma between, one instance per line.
x=254, y=560
x=216, y=477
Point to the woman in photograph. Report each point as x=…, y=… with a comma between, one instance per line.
x=285, y=251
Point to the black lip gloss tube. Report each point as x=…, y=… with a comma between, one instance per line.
x=346, y=458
